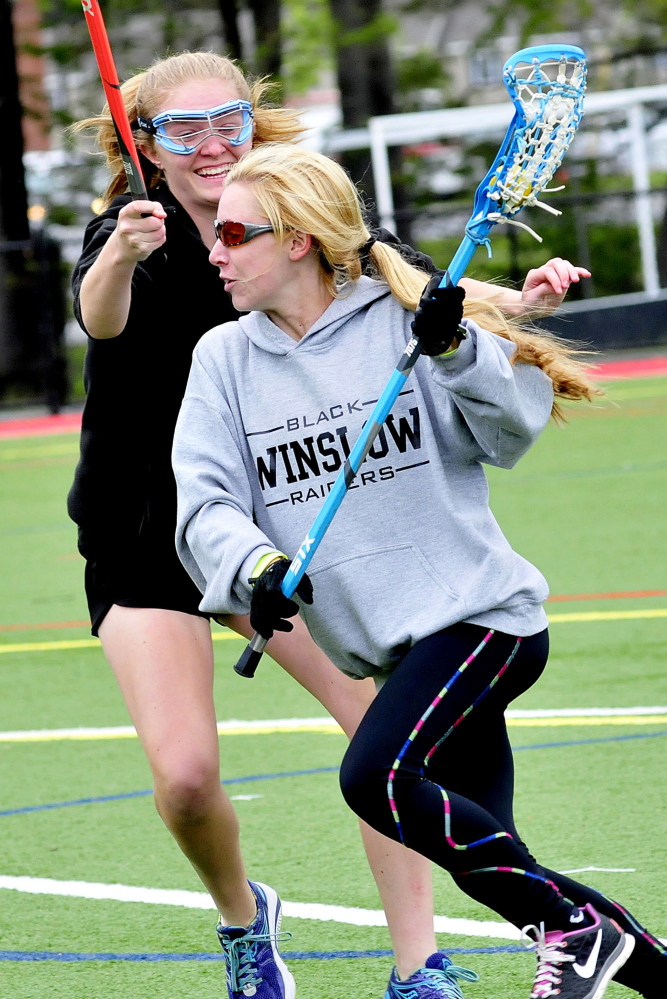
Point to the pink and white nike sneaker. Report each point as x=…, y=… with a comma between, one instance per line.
x=579, y=963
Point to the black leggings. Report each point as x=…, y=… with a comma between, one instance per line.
x=431, y=766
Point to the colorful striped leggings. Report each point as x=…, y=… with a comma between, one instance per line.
x=431, y=766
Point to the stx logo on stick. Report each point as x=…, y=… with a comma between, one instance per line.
x=301, y=554
x=88, y=7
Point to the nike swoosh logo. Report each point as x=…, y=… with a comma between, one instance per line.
x=587, y=970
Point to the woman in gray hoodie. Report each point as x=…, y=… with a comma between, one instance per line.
x=145, y=292
x=414, y=584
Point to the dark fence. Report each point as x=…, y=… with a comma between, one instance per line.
x=618, y=322
x=33, y=365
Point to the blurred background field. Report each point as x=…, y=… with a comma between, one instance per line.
x=586, y=505
x=349, y=66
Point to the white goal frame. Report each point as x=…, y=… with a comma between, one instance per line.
x=384, y=131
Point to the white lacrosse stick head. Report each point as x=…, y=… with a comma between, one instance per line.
x=547, y=84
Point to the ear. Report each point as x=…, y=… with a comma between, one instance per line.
x=147, y=150
x=299, y=244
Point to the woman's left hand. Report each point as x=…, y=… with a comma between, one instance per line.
x=545, y=287
x=269, y=606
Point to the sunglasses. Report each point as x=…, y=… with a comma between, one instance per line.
x=236, y=233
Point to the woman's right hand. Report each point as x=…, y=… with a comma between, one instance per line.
x=106, y=290
x=140, y=230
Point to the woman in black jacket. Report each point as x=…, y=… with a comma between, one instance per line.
x=145, y=293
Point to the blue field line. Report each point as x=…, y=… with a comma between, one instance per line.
x=590, y=742
x=76, y=801
x=297, y=955
x=305, y=773
x=145, y=794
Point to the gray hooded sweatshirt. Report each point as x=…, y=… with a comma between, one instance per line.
x=267, y=423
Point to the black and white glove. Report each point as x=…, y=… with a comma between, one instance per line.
x=438, y=317
x=269, y=605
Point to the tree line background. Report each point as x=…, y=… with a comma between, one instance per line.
x=350, y=44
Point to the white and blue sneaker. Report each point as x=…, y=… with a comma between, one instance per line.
x=438, y=979
x=254, y=966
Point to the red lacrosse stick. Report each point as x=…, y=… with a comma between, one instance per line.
x=111, y=84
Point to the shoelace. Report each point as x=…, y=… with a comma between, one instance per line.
x=549, y=956
x=242, y=960
x=452, y=971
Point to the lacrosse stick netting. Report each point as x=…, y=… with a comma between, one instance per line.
x=547, y=84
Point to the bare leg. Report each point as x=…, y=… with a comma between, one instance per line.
x=163, y=661
x=403, y=877
x=406, y=889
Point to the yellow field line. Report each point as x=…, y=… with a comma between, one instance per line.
x=89, y=643
x=628, y=615
x=320, y=727
x=75, y=643
x=226, y=636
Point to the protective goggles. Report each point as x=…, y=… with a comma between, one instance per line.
x=180, y=131
x=236, y=233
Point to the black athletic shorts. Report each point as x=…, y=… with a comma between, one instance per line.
x=149, y=574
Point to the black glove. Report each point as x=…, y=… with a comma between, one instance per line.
x=269, y=605
x=438, y=316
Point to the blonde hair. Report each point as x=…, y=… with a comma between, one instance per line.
x=146, y=93
x=298, y=189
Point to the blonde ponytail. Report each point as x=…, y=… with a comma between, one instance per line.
x=557, y=359
x=302, y=190
x=406, y=282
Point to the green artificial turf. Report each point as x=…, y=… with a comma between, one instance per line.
x=586, y=505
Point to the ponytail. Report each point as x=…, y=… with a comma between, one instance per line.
x=556, y=358
x=301, y=190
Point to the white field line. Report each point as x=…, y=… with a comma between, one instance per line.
x=583, y=712
x=200, y=900
x=326, y=725
x=606, y=870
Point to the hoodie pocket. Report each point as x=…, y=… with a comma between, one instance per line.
x=371, y=607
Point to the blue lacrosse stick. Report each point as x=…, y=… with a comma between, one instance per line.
x=547, y=85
